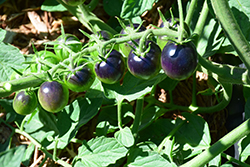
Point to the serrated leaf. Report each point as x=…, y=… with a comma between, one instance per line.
x=132, y=87
x=12, y=157
x=64, y=125
x=101, y=151
x=133, y=8
x=52, y=6
x=147, y=159
x=10, y=57
x=125, y=137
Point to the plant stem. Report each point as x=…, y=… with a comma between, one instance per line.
x=87, y=18
x=181, y=29
x=191, y=10
x=230, y=158
x=194, y=102
x=232, y=30
x=200, y=23
x=220, y=146
x=92, y=5
x=59, y=161
x=119, y=113
x=138, y=115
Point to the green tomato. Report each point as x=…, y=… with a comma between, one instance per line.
x=25, y=102
x=70, y=41
x=53, y=96
x=46, y=56
x=81, y=80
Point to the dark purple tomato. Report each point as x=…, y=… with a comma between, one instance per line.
x=145, y=66
x=124, y=48
x=179, y=61
x=70, y=41
x=73, y=2
x=53, y=96
x=81, y=80
x=111, y=70
x=162, y=40
x=25, y=102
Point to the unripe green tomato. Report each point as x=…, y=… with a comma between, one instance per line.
x=25, y=102
x=53, y=96
x=70, y=41
x=81, y=80
x=47, y=56
x=73, y=2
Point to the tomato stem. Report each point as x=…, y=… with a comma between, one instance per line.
x=181, y=27
x=138, y=115
x=119, y=113
x=191, y=11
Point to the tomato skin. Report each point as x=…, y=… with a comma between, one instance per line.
x=81, y=80
x=71, y=41
x=47, y=56
x=179, y=61
x=73, y=2
x=25, y=102
x=147, y=66
x=53, y=96
x=124, y=48
x=111, y=70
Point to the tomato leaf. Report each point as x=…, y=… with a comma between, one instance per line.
x=2, y=34
x=132, y=87
x=100, y=151
x=112, y=7
x=65, y=124
x=133, y=8
x=52, y=6
x=125, y=137
x=10, y=57
x=12, y=157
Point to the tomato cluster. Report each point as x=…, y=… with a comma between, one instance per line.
x=178, y=61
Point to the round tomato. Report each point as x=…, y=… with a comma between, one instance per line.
x=70, y=41
x=53, y=96
x=25, y=102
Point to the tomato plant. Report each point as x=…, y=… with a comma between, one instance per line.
x=73, y=2
x=142, y=93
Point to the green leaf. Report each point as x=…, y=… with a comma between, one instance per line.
x=2, y=34
x=107, y=119
x=12, y=157
x=195, y=132
x=52, y=6
x=28, y=154
x=244, y=148
x=133, y=8
x=132, y=87
x=215, y=161
x=125, y=137
x=10, y=57
x=210, y=40
x=139, y=157
x=113, y=7
x=168, y=84
x=100, y=151
x=64, y=125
